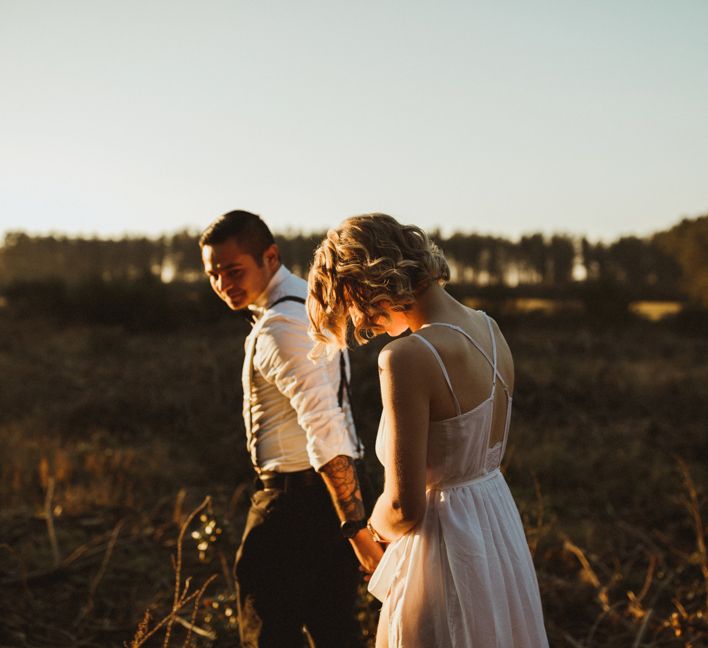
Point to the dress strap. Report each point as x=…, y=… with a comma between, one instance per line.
x=492, y=361
x=494, y=351
x=444, y=370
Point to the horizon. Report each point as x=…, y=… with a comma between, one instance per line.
x=291, y=232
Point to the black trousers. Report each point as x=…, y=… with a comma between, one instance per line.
x=293, y=568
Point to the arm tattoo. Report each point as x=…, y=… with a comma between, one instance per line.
x=340, y=477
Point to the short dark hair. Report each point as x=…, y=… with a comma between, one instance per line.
x=249, y=230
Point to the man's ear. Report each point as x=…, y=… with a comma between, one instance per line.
x=271, y=257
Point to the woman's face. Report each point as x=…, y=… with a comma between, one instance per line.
x=397, y=322
x=394, y=325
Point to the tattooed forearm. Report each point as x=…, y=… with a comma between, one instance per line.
x=339, y=475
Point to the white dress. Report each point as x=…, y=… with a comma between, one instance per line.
x=464, y=577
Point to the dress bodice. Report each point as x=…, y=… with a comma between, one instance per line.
x=459, y=448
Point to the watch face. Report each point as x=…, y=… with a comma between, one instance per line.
x=351, y=527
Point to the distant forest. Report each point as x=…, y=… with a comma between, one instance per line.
x=671, y=264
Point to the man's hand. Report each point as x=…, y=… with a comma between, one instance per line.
x=367, y=550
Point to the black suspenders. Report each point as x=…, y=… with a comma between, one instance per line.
x=299, y=300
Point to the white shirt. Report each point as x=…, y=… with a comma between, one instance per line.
x=290, y=408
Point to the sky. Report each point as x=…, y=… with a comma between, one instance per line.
x=501, y=117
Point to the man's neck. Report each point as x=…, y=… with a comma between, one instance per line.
x=275, y=280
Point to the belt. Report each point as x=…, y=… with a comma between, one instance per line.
x=466, y=482
x=272, y=480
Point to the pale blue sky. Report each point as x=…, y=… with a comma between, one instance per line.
x=500, y=117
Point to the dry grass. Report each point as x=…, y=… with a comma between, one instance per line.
x=110, y=439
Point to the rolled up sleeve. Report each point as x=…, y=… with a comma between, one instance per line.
x=310, y=386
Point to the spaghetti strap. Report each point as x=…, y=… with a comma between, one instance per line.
x=492, y=361
x=494, y=352
x=444, y=370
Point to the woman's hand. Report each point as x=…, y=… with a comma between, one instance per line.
x=367, y=550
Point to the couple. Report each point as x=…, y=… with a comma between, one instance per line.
x=457, y=571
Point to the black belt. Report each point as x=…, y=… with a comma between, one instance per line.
x=272, y=480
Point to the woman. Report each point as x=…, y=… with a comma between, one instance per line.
x=457, y=571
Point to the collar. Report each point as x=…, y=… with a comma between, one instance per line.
x=272, y=291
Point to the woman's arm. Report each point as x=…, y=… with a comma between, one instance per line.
x=405, y=395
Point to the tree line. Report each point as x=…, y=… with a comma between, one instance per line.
x=669, y=264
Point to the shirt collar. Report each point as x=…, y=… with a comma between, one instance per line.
x=272, y=291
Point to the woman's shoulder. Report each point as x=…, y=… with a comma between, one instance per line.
x=402, y=354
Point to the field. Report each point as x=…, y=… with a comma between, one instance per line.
x=110, y=438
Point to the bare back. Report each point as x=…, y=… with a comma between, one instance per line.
x=469, y=371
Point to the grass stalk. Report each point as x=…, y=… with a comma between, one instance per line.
x=50, y=521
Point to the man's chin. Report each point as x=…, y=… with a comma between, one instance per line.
x=236, y=305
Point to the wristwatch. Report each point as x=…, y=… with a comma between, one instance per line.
x=350, y=528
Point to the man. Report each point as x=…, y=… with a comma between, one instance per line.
x=295, y=565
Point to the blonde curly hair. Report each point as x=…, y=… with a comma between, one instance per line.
x=368, y=260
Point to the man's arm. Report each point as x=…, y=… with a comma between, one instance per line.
x=284, y=345
x=310, y=387
x=342, y=482
x=340, y=476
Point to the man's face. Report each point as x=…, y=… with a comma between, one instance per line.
x=235, y=275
